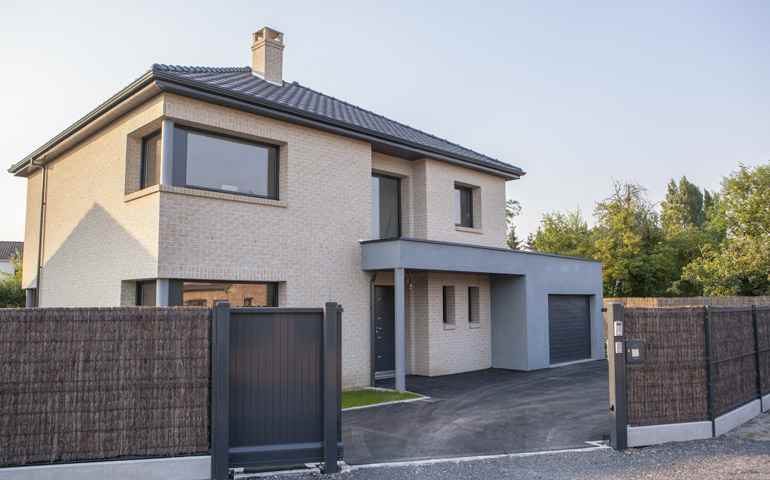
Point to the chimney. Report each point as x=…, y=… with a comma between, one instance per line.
x=267, y=54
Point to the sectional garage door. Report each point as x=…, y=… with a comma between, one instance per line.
x=569, y=328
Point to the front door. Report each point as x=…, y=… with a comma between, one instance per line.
x=384, y=332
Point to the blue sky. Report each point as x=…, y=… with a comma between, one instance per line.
x=576, y=93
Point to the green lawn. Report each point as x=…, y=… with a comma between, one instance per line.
x=370, y=396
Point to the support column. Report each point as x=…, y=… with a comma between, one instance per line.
x=161, y=292
x=400, y=327
x=167, y=159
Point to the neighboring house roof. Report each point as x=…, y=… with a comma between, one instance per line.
x=10, y=249
x=242, y=84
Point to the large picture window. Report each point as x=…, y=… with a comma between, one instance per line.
x=208, y=294
x=225, y=164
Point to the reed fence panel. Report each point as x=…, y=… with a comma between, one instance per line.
x=82, y=384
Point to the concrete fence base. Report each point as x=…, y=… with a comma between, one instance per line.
x=174, y=468
x=683, y=432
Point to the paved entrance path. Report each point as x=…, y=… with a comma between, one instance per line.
x=483, y=413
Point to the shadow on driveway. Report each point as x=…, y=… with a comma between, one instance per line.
x=484, y=413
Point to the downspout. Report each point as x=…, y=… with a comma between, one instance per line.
x=41, y=228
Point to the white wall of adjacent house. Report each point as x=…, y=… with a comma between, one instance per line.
x=6, y=267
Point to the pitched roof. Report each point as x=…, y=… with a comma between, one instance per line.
x=9, y=249
x=296, y=101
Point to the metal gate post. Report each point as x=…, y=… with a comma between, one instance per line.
x=220, y=392
x=616, y=357
x=332, y=385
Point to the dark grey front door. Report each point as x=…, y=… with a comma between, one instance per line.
x=384, y=335
x=569, y=328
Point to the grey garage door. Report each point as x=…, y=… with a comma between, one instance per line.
x=569, y=328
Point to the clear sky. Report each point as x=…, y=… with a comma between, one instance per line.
x=576, y=93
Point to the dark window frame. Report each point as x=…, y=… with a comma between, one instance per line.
x=466, y=192
x=445, y=304
x=398, y=203
x=180, y=161
x=477, y=291
x=154, y=136
x=140, y=286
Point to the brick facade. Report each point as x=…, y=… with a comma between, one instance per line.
x=101, y=234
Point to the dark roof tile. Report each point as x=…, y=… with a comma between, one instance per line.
x=242, y=81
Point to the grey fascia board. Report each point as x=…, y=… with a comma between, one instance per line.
x=448, y=256
x=122, y=95
x=484, y=247
x=226, y=97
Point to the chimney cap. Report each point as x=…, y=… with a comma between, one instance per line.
x=267, y=34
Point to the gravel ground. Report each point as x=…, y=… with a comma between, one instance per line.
x=743, y=454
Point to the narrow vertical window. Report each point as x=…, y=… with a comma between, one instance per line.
x=463, y=206
x=473, y=305
x=386, y=207
x=448, y=310
x=150, y=174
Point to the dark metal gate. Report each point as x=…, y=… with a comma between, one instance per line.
x=276, y=386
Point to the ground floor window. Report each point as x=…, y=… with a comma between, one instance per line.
x=448, y=305
x=198, y=293
x=145, y=293
x=473, y=305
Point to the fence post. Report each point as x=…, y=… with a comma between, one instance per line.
x=709, y=368
x=220, y=392
x=332, y=385
x=616, y=357
x=756, y=354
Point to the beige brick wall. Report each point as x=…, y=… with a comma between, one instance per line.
x=462, y=347
x=93, y=238
x=427, y=196
x=101, y=233
x=308, y=240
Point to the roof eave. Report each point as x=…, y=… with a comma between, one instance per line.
x=171, y=84
x=20, y=167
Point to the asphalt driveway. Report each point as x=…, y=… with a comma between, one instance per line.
x=483, y=413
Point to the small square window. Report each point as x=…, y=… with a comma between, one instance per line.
x=151, y=148
x=448, y=307
x=473, y=305
x=463, y=206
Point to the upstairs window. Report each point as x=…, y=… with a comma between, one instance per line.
x=463, y=206
x=150, y=174
x=224, y=164
x=386, y=207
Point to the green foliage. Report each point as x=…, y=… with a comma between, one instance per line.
x=11, y=293
x=512, y=210
x=736, y=261
x=701, y=243
x=563, y=233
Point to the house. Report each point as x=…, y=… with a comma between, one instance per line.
x=8, y=252
x=196, y=177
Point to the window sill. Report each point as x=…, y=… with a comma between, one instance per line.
x=231, y=197
x=129, y=197
x=477, y=231
x=474, y=324
x=450, y=326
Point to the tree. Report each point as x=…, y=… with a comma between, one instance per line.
x=682, y=207
x=682, y=219
x=564, y=234
x=512, y=210
x=628, y=241
x=740, y=263
x=11, y=293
